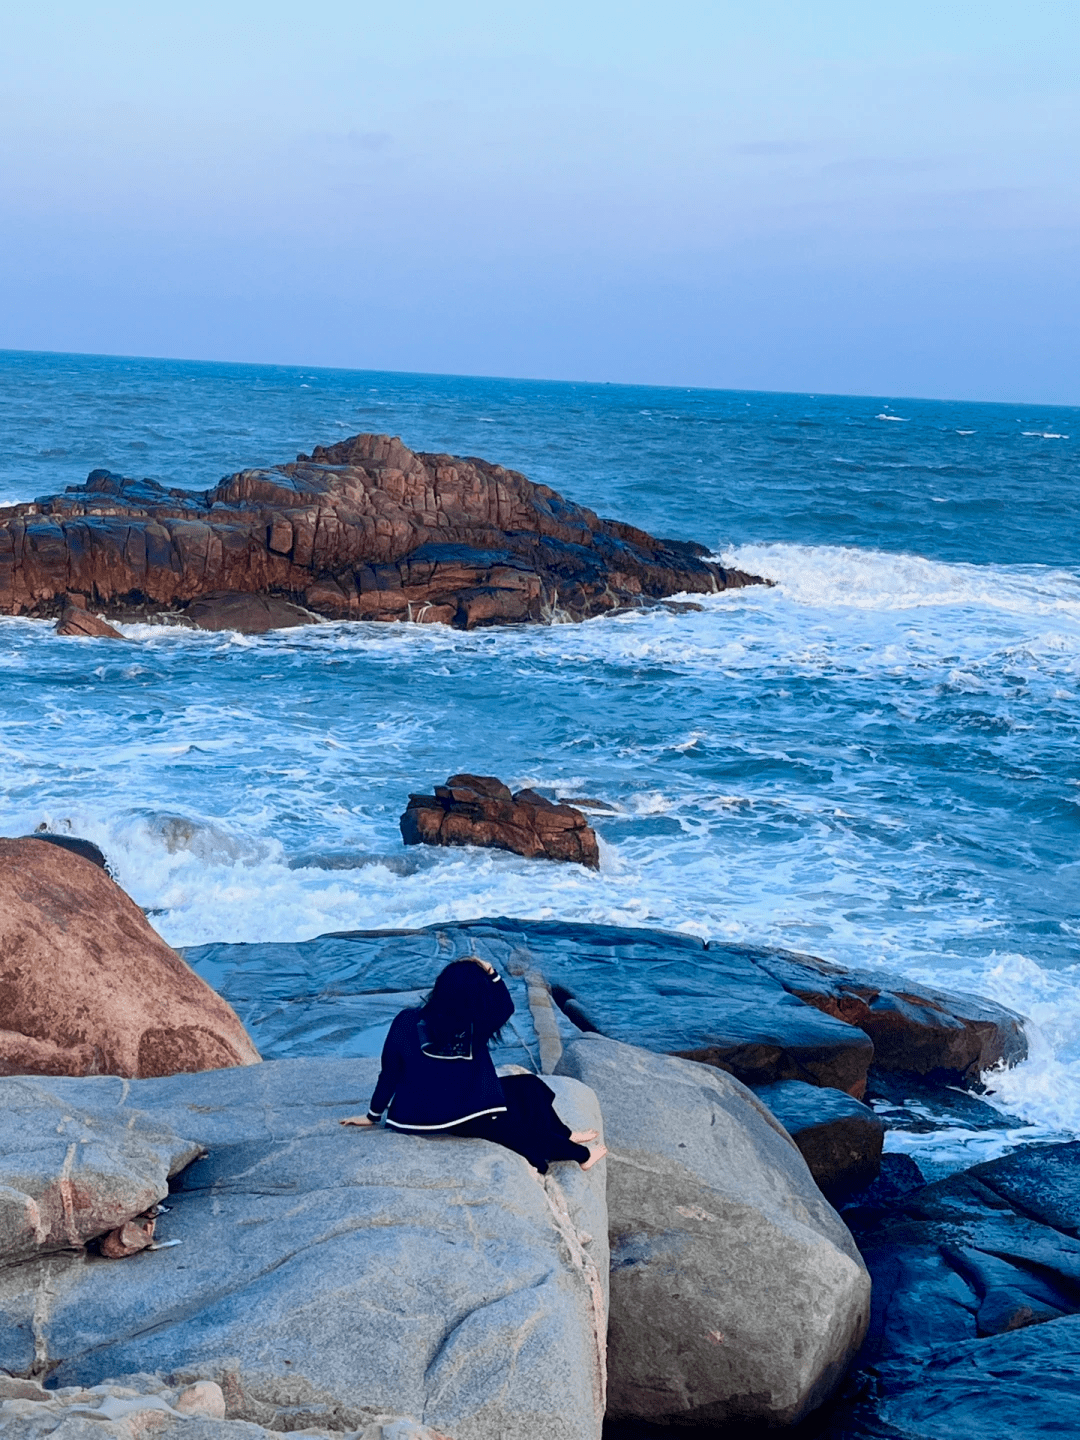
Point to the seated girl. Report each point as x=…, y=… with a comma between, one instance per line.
x=438, y=1078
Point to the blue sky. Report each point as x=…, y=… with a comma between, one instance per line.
x=818, y=196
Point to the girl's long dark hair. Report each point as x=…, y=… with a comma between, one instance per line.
x=460, y=998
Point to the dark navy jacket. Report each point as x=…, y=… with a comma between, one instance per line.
x=429, y=1087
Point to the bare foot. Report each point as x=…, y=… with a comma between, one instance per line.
x=362, y=1120
x=596, y=1154
x=582, y=1137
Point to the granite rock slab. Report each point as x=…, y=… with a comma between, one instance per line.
x=660, y=991
x=719, y=1003
x=88, y=987
x=333, y=1272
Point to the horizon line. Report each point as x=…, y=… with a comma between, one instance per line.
x=535, y=380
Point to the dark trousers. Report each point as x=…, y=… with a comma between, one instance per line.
x=529, y=1124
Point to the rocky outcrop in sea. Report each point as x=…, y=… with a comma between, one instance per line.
x=480, y=810
x=365, y=529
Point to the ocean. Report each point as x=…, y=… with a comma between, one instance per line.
x=875, y=761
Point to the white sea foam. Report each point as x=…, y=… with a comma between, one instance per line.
x=837, y=577
x=769, y=763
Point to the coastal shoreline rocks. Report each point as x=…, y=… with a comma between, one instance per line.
x=364, y=529
x=975, y=1320
x=737, y=1297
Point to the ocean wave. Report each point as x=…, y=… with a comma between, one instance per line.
x=1045, y=1088
x=826, y=577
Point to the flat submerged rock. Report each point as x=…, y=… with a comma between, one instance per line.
x=731, y=1006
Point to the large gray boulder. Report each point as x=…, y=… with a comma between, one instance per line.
x=737, y=1294
x=327, y=1277
x=71, y=1172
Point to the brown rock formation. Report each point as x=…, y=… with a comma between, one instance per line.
x=88, y=988
x=363, y=530
x=128, y=1239
x=480, y=810
x=251, y=614
x=947, y=1036
x=75, y=619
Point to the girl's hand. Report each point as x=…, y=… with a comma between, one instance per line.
x=364, y=1121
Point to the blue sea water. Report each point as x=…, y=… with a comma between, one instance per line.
x=875, y=761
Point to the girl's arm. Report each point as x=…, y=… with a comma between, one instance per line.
x=500, y=1005
x=393, y=1064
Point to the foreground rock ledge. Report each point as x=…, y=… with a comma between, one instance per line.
x=325, y=1278
x=361, y=530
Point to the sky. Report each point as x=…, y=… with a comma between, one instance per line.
x=839, y=196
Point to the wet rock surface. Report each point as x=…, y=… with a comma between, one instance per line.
x=1018, y=1384
x=480, y=810
x=717, y=1003
x=88, y=987
x=987, y=1250
x=249, y=614
x=75, y=619
x=86, y=848
x=364, y=530
x=975, y=1322
x=327, y=1277
x=737, y=1294
x=839, y=1137
x=674, y=994
x=944, y=1036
